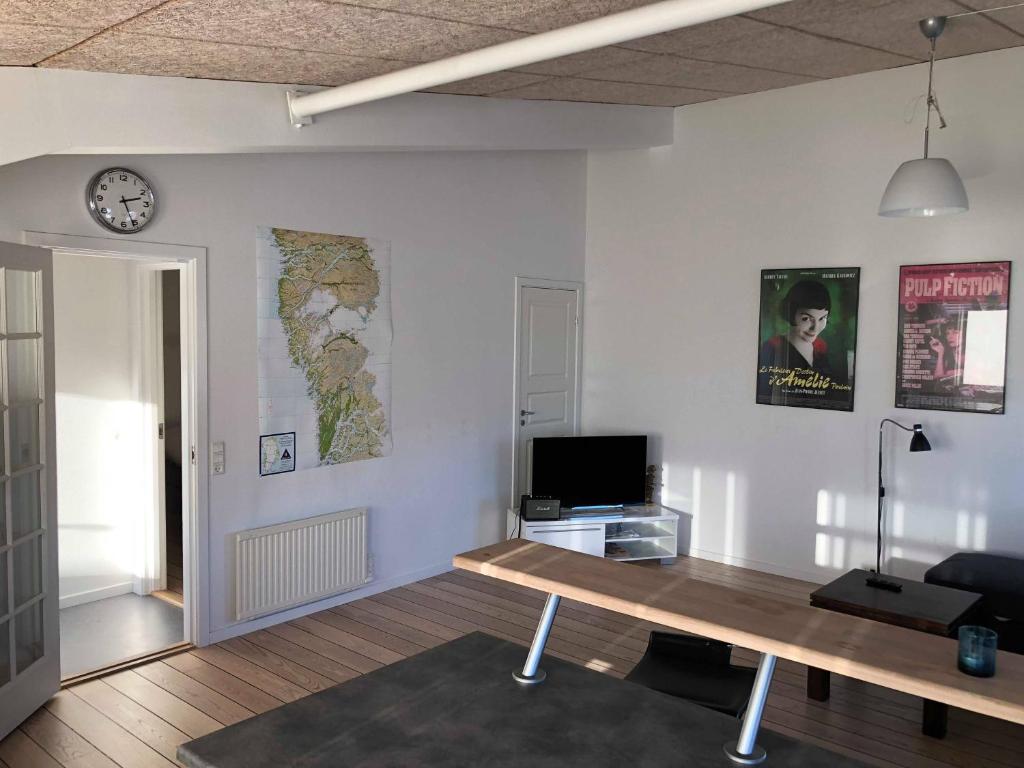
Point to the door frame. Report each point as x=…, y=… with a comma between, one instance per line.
x=195, y=476
x=563, y=285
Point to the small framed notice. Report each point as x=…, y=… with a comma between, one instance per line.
x=277, y=453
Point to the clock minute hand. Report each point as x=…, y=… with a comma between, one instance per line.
x=129, y=210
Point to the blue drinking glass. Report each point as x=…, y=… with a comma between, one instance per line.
x=977, y=651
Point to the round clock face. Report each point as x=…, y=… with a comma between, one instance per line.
x=121, y=200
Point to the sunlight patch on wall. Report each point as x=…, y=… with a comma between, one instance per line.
x=824, y=509
x=963, y=529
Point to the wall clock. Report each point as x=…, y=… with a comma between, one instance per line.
x=121, y=200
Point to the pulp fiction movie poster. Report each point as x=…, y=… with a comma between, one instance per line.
x=808, y=337
x=951, y=351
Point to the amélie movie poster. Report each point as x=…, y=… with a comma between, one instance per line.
x=807, y=338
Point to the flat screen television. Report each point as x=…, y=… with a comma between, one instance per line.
x=600, y=471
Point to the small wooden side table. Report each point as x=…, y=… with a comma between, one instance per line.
x=924, y=607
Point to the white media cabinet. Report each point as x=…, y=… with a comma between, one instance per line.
x=631, y=533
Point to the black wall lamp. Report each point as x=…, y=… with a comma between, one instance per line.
x=918, y=443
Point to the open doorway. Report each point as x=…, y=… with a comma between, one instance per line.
x=120, y=375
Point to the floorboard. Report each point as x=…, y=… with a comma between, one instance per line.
x=136, y=718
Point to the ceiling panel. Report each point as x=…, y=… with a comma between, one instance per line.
x=566, y=66
x=26, y=44
x=1012, y=18
x=85, y=14
x=660, y=69
x=487, y=84
x=142, y=55
x=891, y=25
x=313, y=25
x=599, y=91
x=752, y=43
x=330, y=42
x=523, y=15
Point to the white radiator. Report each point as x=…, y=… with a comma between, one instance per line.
x=285, y=565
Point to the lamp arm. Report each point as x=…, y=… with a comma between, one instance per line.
x=881, y=491
x=904, y=427
x=881, y=496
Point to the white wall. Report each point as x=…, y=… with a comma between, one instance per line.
x=99, y=427
x=61, y=111
x=676, y=239
x=461, y=226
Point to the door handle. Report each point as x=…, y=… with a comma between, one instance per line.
x=526, y=413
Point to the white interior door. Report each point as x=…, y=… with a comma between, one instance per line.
x=547, y=376
x=29, y=643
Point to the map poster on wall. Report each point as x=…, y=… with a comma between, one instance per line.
x=951, y=348
x=807, y=337
x=277, y=453
x=324, y=344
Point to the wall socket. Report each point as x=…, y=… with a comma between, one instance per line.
x=217, y=459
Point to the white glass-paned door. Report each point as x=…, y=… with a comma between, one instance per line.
x=29, y=647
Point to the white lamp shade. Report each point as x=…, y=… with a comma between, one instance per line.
x=926, y=187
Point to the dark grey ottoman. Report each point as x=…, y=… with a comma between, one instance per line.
x=1000, y=579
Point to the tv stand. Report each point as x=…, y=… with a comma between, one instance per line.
x=628, y=533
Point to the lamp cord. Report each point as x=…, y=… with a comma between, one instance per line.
x=931, y=99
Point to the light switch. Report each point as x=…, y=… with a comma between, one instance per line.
x=217, y=458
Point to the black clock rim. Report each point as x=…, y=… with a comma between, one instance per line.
x=94, y=211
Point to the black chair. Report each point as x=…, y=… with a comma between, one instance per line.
x=696, y=669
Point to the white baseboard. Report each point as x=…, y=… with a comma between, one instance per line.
x=244, y=627
x=756, y=565
x=90, y=595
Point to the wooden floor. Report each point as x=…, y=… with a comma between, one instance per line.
x=137, y=718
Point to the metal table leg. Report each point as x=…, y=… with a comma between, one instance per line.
x=746, y=750
x=530, y=674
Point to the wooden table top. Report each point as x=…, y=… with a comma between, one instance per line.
x=913, y=662
x=920, y=606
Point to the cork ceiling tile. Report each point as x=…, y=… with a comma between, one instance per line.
x=27, y=44
x=660, y=69
x=95, y=15
x=599, y=91
x=1012, y=18
x=713, y=34
x=328, y=42
x=891, y=25
x=755, y=44
x=521, y=15
x=142, y=55
x=566, y=66
x=313, y=25
x=487, y=84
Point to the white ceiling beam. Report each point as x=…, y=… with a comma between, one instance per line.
x=588, y=35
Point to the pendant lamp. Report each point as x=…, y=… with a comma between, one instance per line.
x=929, y=186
